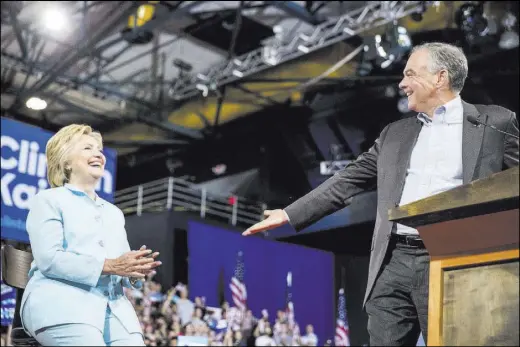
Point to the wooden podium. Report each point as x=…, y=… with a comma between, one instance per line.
x=471, y=233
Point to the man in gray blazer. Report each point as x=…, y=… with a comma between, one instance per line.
x=413, y=158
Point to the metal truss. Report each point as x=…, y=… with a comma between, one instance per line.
x=372, y=15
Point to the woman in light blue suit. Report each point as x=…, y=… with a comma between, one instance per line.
x=82, y=259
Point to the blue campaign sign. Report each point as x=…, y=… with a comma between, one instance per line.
x=24, y=173
x=8, y=304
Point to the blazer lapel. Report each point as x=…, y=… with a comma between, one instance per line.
x=407, y=139
x=472, y=137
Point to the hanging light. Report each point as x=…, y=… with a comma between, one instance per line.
x=35, y=103
x=132, y=33
x=384, y=50
x=471, y=20
x=509, y=38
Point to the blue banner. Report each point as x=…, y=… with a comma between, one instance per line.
x=265, y=267
x=24, y=173
x=8, y=304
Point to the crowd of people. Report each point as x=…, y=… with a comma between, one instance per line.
x=172, y=319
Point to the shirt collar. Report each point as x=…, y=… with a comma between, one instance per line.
x=79, y=192
x=449, y=113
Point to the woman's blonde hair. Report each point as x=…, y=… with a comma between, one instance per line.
x=58, y=149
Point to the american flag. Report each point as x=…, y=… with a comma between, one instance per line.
x=289, y=305
x=237, y=285
x=342, y=330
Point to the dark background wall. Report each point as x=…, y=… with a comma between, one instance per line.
x=155, y=231
x=352, y=270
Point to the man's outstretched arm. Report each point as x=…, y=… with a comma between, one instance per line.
x=330, y=196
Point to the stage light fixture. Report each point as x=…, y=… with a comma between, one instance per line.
x=384, y=50
x=219, y=169
x=418, y=16
x=35, y=103
x=132, y=33
x=471, y=20
x=182, y=65
x=509, y=38
x=54, y=19
x=270, y=55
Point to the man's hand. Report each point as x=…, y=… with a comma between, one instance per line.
x=275, y=218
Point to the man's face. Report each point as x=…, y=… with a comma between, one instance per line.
x=420, y=85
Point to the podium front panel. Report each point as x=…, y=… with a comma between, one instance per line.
x=481, y=304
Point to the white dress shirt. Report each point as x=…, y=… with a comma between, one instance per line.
x=436, y=160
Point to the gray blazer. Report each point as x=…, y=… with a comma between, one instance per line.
x=484, y=152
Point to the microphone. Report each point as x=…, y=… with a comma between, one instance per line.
x=473, y=120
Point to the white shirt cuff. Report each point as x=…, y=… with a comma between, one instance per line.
x=286, y=215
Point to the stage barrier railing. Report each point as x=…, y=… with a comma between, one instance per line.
x=175, y=194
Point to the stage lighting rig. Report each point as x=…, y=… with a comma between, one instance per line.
x=143, y=15
x=381, y=51
x=509, y=38
x=471, y=20
x=418, y=16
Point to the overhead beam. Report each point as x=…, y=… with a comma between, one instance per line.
x=73, y=80
x=62, y=66
x=295, y=10
x=170, y=127
x=351, y=24
x=204, y=119
x=43, y=123
x=166, y=126
x=143, y=143
x=76, y=108
x=18, y=32
x=258, y=95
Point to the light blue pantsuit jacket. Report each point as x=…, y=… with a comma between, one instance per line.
x=71, y=235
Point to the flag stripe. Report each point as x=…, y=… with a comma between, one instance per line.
x=342, y=329
x=237, y=285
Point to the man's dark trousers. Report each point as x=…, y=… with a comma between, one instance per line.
x=398, y=307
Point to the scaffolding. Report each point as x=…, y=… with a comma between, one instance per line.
x=372, y=15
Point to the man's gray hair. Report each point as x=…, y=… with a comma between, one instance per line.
x=444, y=56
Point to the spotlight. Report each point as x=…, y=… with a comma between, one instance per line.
x=237, y=73
x=470, y=19
x=271, y=55
x=36, y=104
x=418, y=16
x=392, y=46
x=132, y=33
x=54, y=19
x=509, y=38
x=399, y=41
x=182, y=65
x=219, y=169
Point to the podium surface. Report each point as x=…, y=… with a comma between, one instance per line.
x=472, y=235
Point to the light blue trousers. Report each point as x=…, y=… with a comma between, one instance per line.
x=114, y=334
